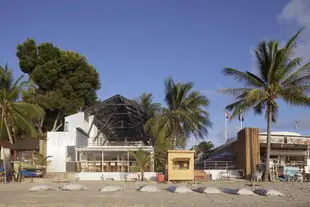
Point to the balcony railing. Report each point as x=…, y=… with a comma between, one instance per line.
x=98, y=142
x=219, y=165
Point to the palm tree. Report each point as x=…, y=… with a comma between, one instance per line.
x=203, y=147
x=146, y=100
x=143, y=161
x=15, y=113
x=184, y=115
x=280, y=77
x=41, y=160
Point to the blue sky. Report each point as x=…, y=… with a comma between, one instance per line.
x=137, y=44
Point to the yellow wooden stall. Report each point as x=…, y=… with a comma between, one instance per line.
x=180, y=165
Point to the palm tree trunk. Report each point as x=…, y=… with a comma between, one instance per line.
x=174, y=142
x=175, y=137
x=8, y=130
x=142, y=175
x=269, y=122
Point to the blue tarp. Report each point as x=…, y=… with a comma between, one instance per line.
x=28, y=174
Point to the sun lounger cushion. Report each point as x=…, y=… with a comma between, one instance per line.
x=268, y=192
x=209, y=190
x=42, y=187
x=74, y=187
x=244, y=191
x=111, y=188
x=181, y=189
x=149, y=188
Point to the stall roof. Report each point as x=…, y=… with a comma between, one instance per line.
x=120, y=118
x=5, y=144
x=27, y=144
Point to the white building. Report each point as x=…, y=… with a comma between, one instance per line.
x=98, y=142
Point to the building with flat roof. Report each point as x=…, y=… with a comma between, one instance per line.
x=247, y=151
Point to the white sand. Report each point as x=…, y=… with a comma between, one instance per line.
x=296, y=194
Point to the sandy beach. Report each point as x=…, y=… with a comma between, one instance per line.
x=14, y=194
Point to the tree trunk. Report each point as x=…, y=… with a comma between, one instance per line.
x=55, y=125
x=142, y=175
x=174, y=143
x=269, y=122
x=175, y=137
x=8, y=130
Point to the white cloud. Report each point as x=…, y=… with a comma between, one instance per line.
x=298, y=13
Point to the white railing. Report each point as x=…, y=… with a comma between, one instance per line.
x=219, y=165
x=94, y=143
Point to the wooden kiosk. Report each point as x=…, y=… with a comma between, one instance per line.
x=180, y=165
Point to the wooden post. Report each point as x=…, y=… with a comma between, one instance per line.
x=128, y=170
x=117, y=162
x=102, y=160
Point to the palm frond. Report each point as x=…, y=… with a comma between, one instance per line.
x=234, y=91
x=246, y=78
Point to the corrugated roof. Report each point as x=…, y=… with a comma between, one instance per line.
x=27, y=144
x=5, y=144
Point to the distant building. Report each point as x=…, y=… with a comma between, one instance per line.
x=248, y=149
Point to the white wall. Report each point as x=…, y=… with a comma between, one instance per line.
x=58, y=141
x=220, y=174
x=56, y=147
x=77, y=121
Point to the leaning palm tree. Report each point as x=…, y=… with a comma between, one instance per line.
x=15, y=113
x=280, y=77
x=183, y=116
x=143, y=161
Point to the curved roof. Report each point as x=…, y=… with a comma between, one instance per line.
x=120, y=118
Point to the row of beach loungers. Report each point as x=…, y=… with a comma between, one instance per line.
x=174, y=189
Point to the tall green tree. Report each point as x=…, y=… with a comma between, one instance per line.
x=15, y=114
x=280, y=77
x=63, y=81
x=184, y=115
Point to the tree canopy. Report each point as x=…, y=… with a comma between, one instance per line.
x=63, y=81
x=16, y=116
x=184, y=115
x=203, y=147
x=279, y=77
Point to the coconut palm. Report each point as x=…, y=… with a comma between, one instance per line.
x=146, y=100
x=279, y=77
x=15, y=113
x=184, y=114
x=41, y=160
x=203, y=147
x=143, y=161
